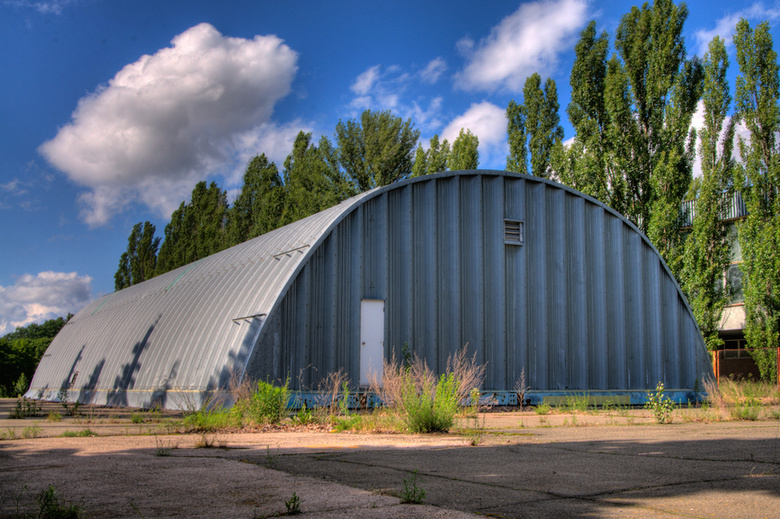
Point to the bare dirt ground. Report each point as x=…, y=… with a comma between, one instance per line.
x=526, y=465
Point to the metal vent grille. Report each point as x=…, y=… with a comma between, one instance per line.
x=513, y=232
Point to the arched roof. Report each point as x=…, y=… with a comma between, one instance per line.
x=181, y=335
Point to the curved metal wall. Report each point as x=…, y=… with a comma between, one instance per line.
x=586, y=303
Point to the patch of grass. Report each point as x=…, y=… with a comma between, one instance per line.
x=542, y=409
x=304, y=416
x=209, y=420
x=84, y=433
x=31, y=432
x=577, y=403
x=9, y=434
x=412, y=493
x=54, y=417
x=749, y=410
x=137, y=417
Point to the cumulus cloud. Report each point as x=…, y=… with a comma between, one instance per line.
x=527, y=41
x=725, y=26
x=47, y=295
x=170, y=119
x=488, y=122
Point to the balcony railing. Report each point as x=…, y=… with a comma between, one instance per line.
x=734, y=210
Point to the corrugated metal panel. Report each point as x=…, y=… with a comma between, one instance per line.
x=584, y=303
x=171, y=338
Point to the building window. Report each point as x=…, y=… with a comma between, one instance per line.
x=513, y=232
x=734, y=284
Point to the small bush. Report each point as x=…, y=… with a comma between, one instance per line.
x=137, y=417
x=268, y=403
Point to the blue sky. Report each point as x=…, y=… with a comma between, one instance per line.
x=113, y=110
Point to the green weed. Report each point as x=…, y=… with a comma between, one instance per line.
x=24, y=408
x=659, y=404
x=49, y=506
x=293, y=505
x=412, y=494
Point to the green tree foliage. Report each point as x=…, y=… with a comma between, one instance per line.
x=196, y=230
x=312, y=179
x=758, y=179
x=21, y=350
x=634, y=147
x=516, y=136
x=465, y=152
x=376, y=150
x=664, y=90
x=707, y=247
x=533, y=129
x=542, y=122
x=139, y=263
x=588, y=168
x=260, y=204
x=433, y=160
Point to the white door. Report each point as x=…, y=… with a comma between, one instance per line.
x=372, y=340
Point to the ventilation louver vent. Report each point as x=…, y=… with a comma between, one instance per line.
x=513, y=232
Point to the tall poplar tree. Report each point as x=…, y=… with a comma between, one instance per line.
x=517, y=160
x=260, y=204
x=196, y=229
x=432, y=160
x=312, y=182
x=465, y=151
x=533, y=129
x=758, y=178
x=707, y=247
x=588, y=168
x=654, y=115
x=542, y=122
x=139, y=262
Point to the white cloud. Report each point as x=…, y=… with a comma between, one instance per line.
x=725, y=26
x=43, y=7
x=433, y=71
x=527, y=41
x=170, y=119
x=385, y=88
x=46, y=295
x=365, y=81
x=488, y=122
